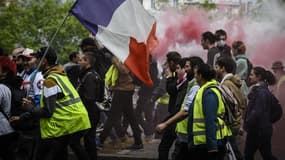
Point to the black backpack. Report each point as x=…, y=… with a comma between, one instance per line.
x=275, y=110
x=232, y=109
x=99, y=81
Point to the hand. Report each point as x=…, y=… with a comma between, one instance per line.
x=168, y=73
x=27, y=104
x=115, y=60
x=26, y=101
x=160, y=127
x=14, y=119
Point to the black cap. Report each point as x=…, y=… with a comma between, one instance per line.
x=50, y=56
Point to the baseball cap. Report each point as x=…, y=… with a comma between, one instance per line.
x=277, y=64
x=28, y=53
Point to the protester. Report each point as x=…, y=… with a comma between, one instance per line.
x=144, y=106
x=279, y=91
x=62, y=114
x=21, y=61
x=225, y=69
x=89, y=91
x=121, y=84
x=279, y=73
x=16, y=52
x=72, y=68
x=161, y=97
x=181, y=116
x=257, y=121
x=8, y=136
x=243, y=65
x=169, y=134
x=221, y=37
x=208, y=42
x=102, y=55
x=31, y=88
x=207, y=131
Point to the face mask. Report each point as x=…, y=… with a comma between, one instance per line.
x=221, y=43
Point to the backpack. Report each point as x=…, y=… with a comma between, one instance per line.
x=275, y=110
x=249, y=68
x=232, y=114
x=100, y=92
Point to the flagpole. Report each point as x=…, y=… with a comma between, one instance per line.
x=48, y=46
x=51, y=41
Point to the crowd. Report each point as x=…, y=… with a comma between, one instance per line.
x=48, y=109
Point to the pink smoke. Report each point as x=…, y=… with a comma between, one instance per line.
x=264, y=38
x=183, y=30
x=235, y=30
x=268, y=50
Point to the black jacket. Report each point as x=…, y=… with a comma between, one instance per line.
x=172, y=91
x=257, y=114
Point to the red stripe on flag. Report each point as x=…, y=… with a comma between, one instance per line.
x=138, y=59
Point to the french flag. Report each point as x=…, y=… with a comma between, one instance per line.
x=124, y=27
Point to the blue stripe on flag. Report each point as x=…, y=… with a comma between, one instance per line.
x=95, y=12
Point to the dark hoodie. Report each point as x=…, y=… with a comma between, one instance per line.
x=257, y=114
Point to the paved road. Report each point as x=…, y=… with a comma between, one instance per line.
x=117, y=152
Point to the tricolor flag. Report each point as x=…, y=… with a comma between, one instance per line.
x=124, y=27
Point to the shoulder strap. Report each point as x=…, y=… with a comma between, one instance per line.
x=83, y=79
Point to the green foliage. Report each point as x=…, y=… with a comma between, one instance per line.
x=208, y=6
x=33, y=23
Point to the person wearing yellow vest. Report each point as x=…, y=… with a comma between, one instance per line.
x=181, y=117
x=63, y=117
x=207, y=131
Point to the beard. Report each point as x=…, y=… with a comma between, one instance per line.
x=219, y=77
x=42, y=69
x=190, y=75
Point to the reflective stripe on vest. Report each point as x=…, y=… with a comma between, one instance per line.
x=72, y=99
x=69, y=116
x=199, y=128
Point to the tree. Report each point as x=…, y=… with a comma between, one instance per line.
x=32, y=24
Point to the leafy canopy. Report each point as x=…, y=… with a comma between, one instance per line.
x=32, y=24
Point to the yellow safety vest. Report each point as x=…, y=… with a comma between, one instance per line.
x=70, y=114
x=199, y=128
x=111, y=76
x=182, y=126
x=164, y=99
